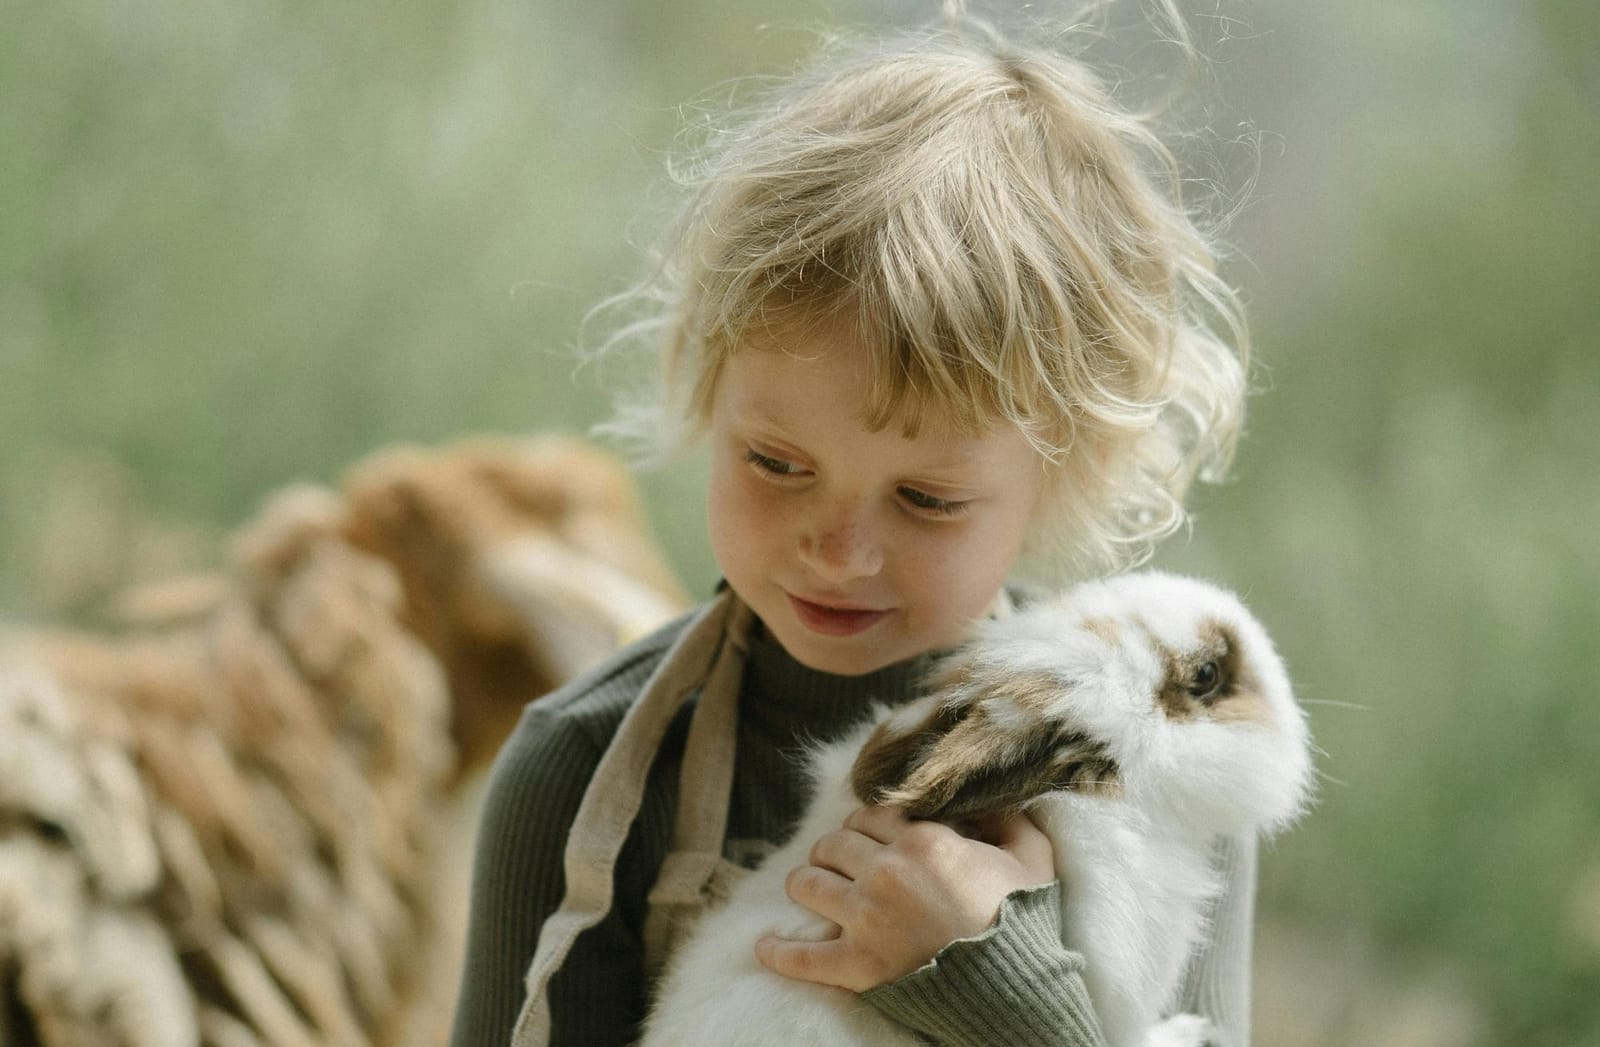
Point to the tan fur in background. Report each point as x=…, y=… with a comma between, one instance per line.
x=235, y=827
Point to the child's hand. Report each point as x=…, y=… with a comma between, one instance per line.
x=902, y=890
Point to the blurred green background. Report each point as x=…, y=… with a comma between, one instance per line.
x=247, y=243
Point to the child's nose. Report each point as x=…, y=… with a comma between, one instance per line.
x=838, y=545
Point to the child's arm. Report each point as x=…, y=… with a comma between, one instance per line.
x=953, y=999
x=900, y=892
x=1218, y=983
x=1017, y=983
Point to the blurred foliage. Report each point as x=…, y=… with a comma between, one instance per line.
x=247, y=243
x=1414, y=505
x=244, y=243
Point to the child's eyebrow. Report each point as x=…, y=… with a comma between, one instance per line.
x=965, y=475
x=764, y=414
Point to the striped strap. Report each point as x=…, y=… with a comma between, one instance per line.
x=701, y=654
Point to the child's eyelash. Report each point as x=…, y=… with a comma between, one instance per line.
x=767, y=463
x=921, y=501
x=929, y=504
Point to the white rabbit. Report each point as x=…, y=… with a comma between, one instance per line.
x=1136, y=719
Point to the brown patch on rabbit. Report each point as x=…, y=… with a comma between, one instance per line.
x=889, y=755
x=992, y=748
x=1105, y=629
x=1211, y=679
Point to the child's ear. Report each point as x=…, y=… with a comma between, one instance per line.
x=960, y=762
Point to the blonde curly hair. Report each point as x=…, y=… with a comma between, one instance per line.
x=1009, y=245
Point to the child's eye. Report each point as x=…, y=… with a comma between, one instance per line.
x=768, y=464
x=927, y=503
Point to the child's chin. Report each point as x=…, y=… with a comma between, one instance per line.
x=850, y=656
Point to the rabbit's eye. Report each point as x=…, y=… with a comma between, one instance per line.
x=1205, y=682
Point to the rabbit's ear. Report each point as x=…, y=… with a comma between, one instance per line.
x=979, y=753
x=895, y=749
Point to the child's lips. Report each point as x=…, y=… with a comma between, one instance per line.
x=832, y=619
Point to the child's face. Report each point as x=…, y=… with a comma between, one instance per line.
x=857, y=549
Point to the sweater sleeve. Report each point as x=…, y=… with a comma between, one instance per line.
x=1018, y=984
x=973, y=992
x=1217, y=984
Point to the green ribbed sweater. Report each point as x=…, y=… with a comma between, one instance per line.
x=1016, y=984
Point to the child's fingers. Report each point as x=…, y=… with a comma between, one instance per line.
x=824, y=963
x=1016, y=834
x=823, y=891
x=845, y=851
x=884, y=824
x=1011, y=831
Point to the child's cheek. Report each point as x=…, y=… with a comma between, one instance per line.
x=743, y=517
x=745, y=497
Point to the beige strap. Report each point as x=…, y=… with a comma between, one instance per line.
x=616, y=791
x=694, y=872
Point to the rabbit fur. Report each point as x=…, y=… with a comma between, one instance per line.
x=1136, y=719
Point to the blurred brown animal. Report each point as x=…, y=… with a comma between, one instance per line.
x=230, y=827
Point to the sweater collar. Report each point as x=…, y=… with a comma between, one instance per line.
x=778, y=688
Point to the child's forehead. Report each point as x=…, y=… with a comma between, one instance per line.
x=826, y=392
x=832, y=356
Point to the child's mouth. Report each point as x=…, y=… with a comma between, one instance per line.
x=833, y=621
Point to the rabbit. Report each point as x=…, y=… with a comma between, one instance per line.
x=1136, y=719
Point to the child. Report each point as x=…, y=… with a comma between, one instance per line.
x=934, y=314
